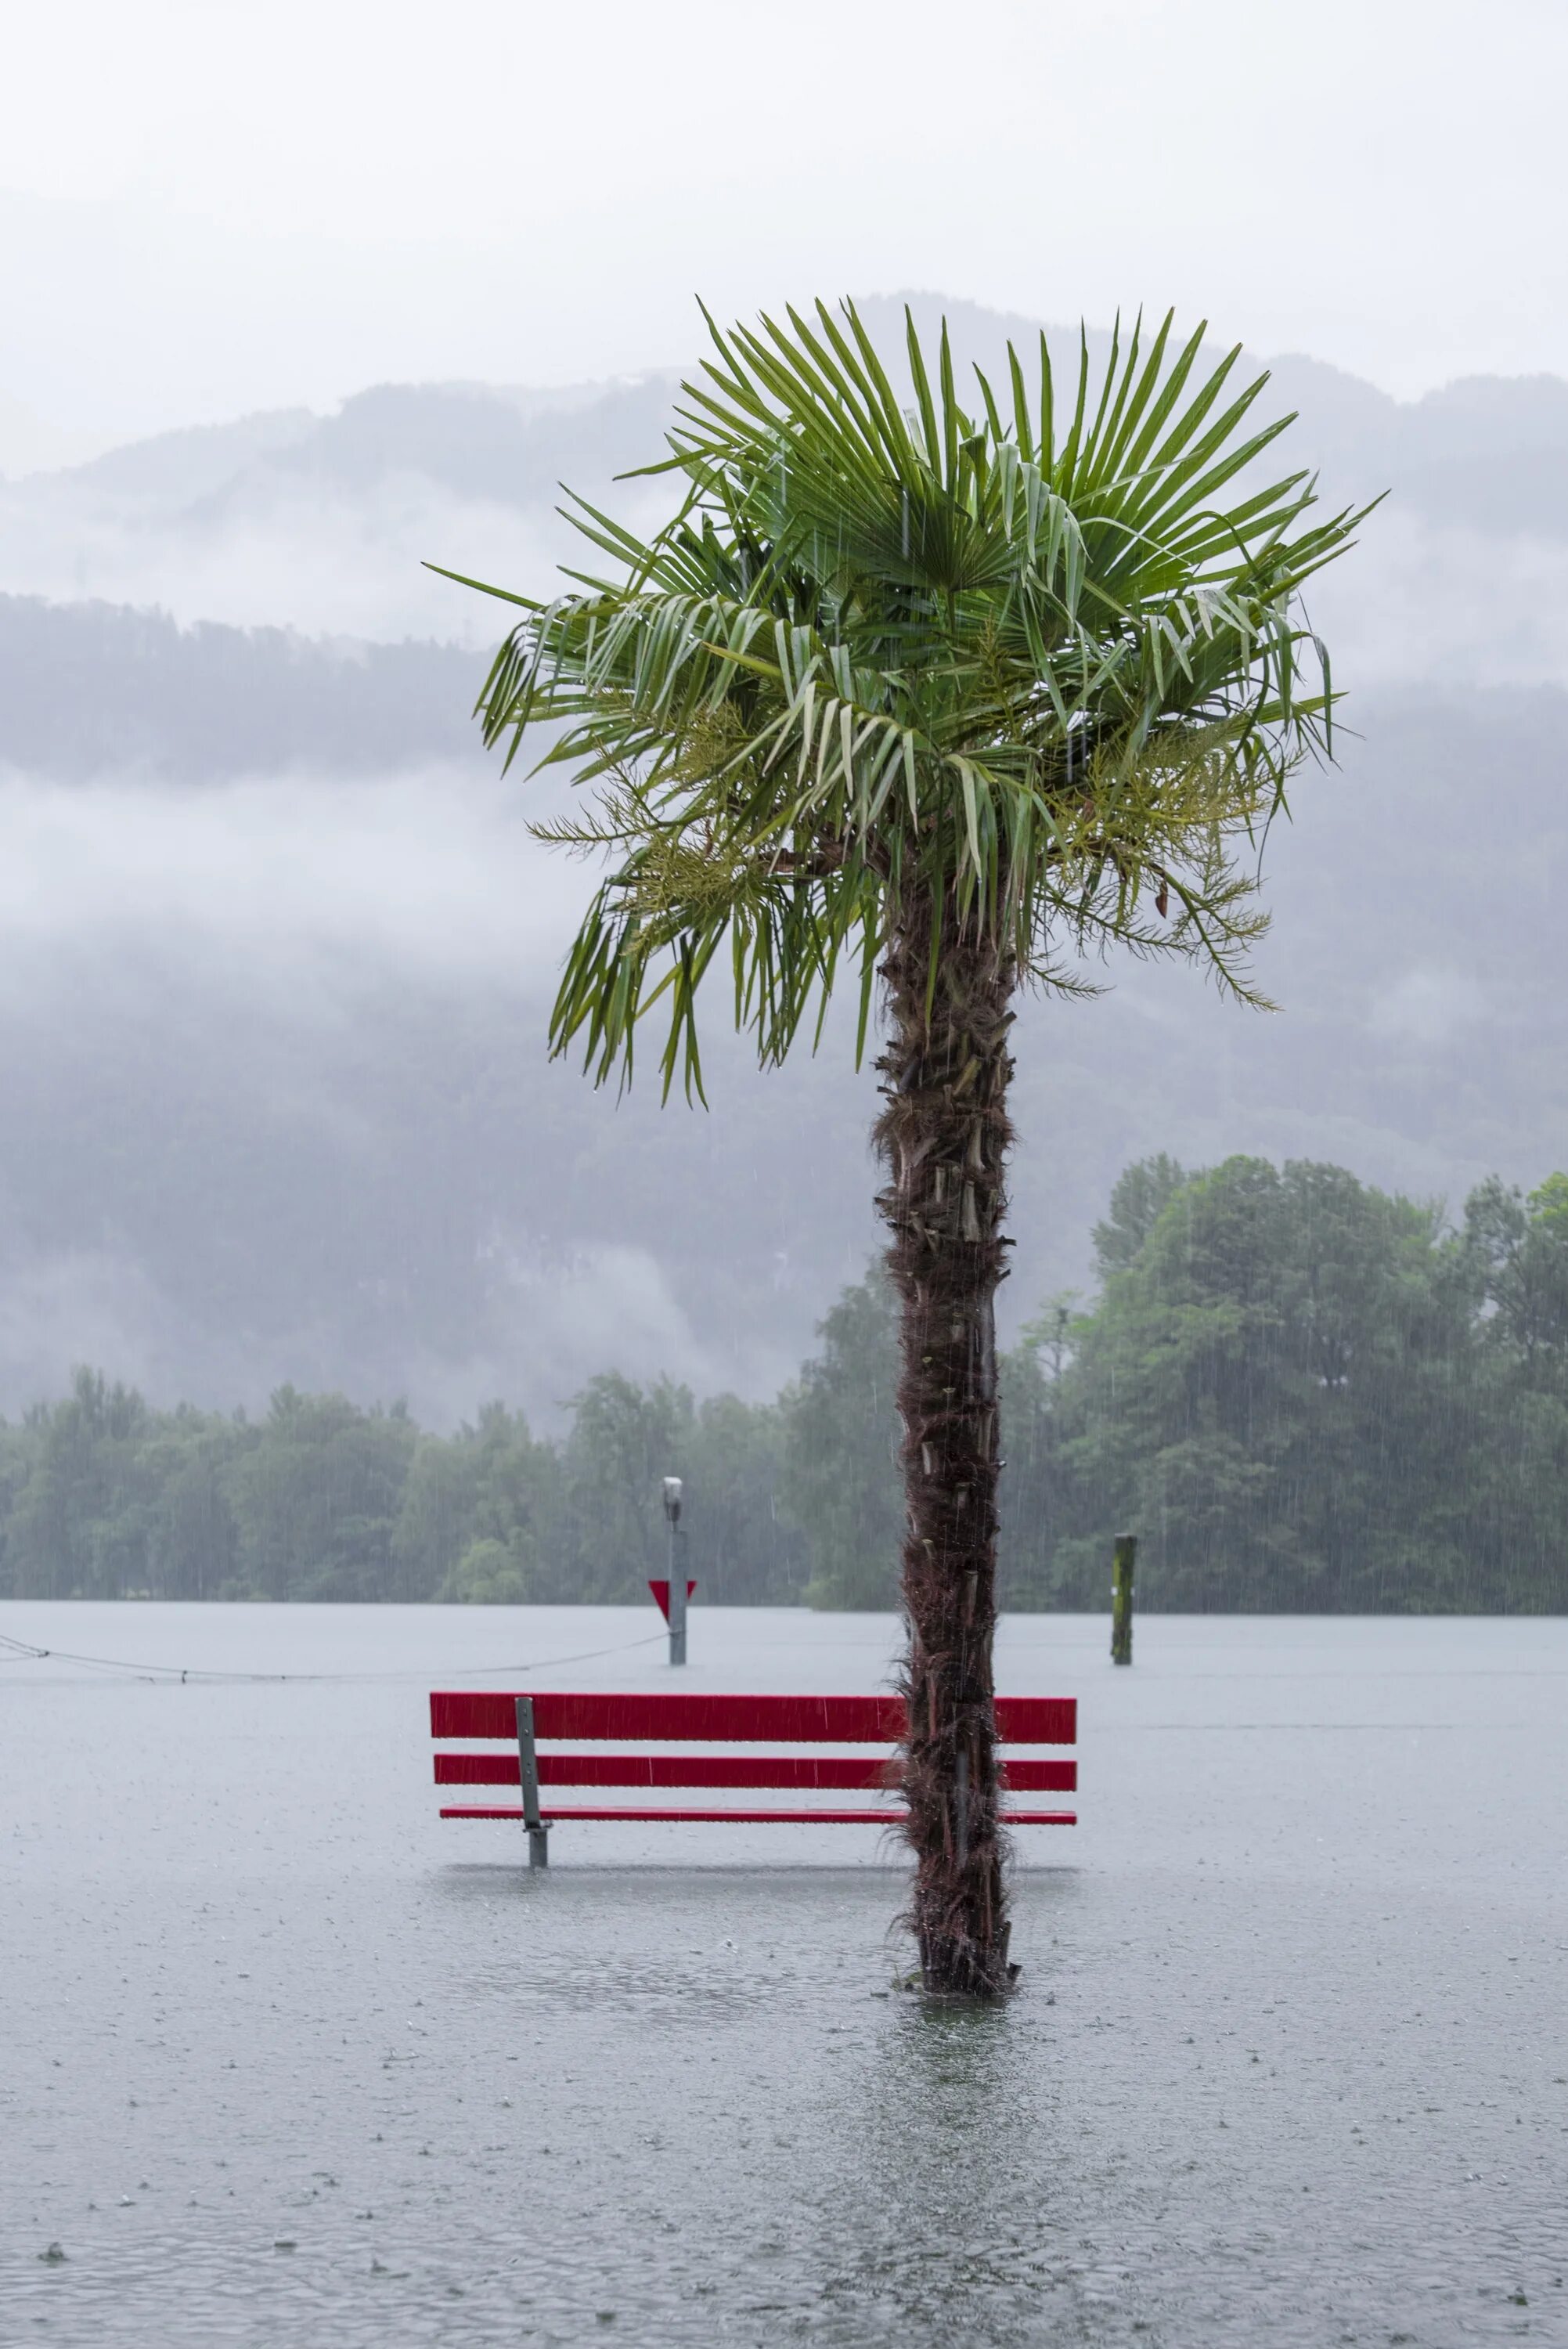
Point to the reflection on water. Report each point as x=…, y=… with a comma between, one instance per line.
x=947, y=2119
x=289, y=2063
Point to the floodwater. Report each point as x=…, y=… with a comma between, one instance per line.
x=286, y=2061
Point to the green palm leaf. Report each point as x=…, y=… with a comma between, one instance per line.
x=888, y=645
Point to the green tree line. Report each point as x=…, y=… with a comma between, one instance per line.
x=1305, y=1394
x=102, y=1496
x=1300, y=1393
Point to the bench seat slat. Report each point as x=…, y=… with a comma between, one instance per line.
x=728, y=1720
x=882, y=1818
x=823, y=1772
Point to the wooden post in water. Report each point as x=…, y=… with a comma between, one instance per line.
x=1122, y=1598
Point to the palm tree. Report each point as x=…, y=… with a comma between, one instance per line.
x=954, y=697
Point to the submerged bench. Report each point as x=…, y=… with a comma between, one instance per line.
x=521, y=1722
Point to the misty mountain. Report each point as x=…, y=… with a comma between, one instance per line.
x=275, y=967
x=516, y=446
x=321, y=523
x=325, y=523
x=475, y=440
x=1363, y=440
x=277, y=1101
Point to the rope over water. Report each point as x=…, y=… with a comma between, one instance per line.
x=21, y=1652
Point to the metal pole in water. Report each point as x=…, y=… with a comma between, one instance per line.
x=528, y=1772
x=677, y=1573
x=1122, y=1598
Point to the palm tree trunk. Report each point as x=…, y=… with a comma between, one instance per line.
x=943, y=1136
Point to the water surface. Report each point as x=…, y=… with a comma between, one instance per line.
x=288, y=2062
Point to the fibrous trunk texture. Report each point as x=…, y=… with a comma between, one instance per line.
x=943, y=1136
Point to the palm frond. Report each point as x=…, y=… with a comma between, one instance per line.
x=1054, y=681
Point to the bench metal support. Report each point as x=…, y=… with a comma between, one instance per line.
x=527, y=1769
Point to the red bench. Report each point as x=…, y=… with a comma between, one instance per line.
x=521, y=1722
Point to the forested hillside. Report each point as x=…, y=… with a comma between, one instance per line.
x=277, y=949
x=93, y=689
x=1302, y=1393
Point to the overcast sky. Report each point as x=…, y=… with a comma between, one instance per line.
x=209, y=207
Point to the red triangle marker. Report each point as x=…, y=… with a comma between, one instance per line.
x=661, y=1591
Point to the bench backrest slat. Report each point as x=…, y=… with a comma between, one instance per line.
x=730, y=1719
x=800, y=1773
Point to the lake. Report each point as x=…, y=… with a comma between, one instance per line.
x=287, y=2061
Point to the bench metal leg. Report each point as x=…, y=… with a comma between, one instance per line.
x=528, y=1771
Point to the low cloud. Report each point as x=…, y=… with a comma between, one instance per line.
x=300, y=553
x=77, y=1305
x=279, y=1107
x=1420, y=603
x=546, y=1329
x=1429, y=1007
x=553, y=1325
x=307, y=891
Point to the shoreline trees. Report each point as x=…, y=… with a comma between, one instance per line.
x=1191, y=1397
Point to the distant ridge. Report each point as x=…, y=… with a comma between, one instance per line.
x=323, y=521
x=89, y=689
x=1488, y=454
